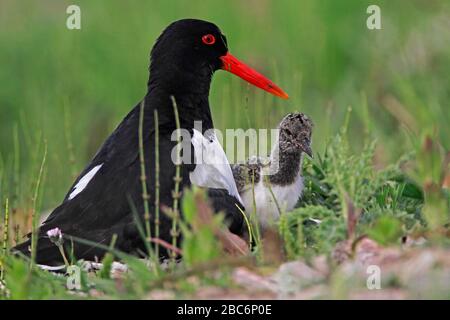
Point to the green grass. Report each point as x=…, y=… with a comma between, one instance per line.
x=62, y=92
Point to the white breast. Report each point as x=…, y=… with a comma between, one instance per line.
x=266, y=208
x=212, y=168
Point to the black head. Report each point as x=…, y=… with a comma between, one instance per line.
x=189, y=51
x=295, y=133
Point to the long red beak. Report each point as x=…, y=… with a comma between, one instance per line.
x=233, y=65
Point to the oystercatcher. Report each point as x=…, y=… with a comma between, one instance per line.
x=98, y=205
x=260, y=180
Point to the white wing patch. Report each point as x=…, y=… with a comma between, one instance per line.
x=83, y=182
x=212, y=168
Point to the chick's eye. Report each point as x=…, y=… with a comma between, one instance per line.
x=208, y=39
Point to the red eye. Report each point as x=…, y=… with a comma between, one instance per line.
x=208, y=39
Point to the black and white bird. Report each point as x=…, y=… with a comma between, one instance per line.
x=260, y=180
x=98, y=205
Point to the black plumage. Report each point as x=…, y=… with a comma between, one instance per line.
x=182, y=65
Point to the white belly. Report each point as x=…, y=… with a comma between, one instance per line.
x=266, y=208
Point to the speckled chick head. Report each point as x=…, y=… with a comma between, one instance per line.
x=295, y=133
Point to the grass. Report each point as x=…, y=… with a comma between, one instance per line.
x=176, y=193
x=381, y=170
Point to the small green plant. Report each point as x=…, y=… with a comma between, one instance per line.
x=199, y=228
x=387, y=201
x=25, y=282
x=311, y=229
x=386, y=230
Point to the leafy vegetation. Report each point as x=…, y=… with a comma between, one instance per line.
x=388, y=209
x=379, y=182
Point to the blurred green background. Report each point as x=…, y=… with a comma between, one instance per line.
x=72, y=87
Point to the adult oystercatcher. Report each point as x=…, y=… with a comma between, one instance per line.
x=98, y=205
x=260, y=180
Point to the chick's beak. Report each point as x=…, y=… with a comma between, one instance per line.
x=306, y=148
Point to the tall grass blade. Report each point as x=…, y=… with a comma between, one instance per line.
x=176, y=192
x=34, y=217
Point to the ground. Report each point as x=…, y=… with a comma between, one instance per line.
x=376, y=192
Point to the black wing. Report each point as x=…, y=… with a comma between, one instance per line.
x=104, y=207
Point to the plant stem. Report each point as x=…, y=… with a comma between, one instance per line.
x=34, y=230
x=254, y=220
x=5, y=239
x=157, y=186
x=269, y=185
x=176, y=193
x=16, y=233
x=145, y=196
x=16, y=177
x=6, y=226
x=61, y=250
x=249, y=226
x=68, y=136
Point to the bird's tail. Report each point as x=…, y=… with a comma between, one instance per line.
x=46, y=252
x=23, y=248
